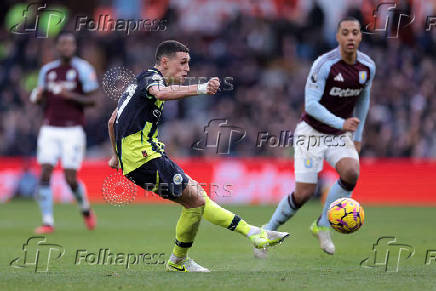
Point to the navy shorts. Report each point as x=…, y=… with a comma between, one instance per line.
x=161, y=176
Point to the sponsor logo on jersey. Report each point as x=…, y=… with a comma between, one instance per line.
x=335, y=91
x=52, y=75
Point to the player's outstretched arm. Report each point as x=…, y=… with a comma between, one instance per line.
x=175, y=92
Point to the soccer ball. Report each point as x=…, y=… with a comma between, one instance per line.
x=346, y=215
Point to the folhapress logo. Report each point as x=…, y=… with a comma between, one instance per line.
x=37, y=19
x=38, y=254
x=388, y=254
x=220, y=135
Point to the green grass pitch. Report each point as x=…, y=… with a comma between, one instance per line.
x=298, y=263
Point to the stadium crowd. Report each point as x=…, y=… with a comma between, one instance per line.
x=266, y=57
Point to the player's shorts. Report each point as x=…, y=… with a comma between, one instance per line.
x=312, y=147
x=65, y=143
x=161, y=176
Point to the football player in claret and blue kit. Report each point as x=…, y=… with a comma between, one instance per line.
x=65, y=88
x=337, y=97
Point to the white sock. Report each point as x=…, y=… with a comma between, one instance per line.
x=47, y=219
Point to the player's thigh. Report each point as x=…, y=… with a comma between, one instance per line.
x=192, y=196
x=161, y=176
x=344, y=158
x=73, y=147
x=308, y=154
x=48, y=146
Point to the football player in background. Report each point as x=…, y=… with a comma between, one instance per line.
x=65, y=88
x=133, y=130
x=336, y=104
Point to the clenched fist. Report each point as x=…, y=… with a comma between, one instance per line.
x=213, y=85
x=351, y=124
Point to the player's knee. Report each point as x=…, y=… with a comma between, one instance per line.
x=194, y=201
x=71, y=181
x=45, y=176
x=192, y=196
x=351, y=176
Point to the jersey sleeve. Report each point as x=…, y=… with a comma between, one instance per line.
x=314, y=90
x=147, y=81
x=362, y=105
x=41, y=78
x=87, y=76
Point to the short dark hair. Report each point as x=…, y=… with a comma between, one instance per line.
x=65, y=33
x=169, y=48
x=347, y=18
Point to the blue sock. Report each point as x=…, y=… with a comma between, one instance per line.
x=336, y=191
x=284, y=211
x=45, y=201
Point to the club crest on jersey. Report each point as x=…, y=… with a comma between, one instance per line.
x=308, y=163
x=362, y=77
x=177, y=179
x=71, y=75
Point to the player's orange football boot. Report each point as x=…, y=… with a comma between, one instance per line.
x=44, y=229
x=90, y=220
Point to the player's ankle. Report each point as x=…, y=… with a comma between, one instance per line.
x=253, y=230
